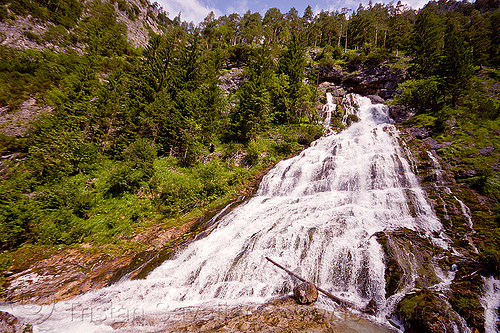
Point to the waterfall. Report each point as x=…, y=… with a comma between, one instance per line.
x=316, y=214
x=328, y=109
x=491, y=302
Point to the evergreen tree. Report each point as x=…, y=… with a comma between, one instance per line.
x=292, y=64
x=455, y=67
x=102, y=32
x=251, y=115
x=251, y=27
x=494, y=52
x=427, y=42
x=400, y=25
x=478, y=34
x=274, y=25
x=308, y=16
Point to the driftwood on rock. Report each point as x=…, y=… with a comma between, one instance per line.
x=334, y=298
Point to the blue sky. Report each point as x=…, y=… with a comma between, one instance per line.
x=197, y=10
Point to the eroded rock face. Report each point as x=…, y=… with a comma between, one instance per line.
x=380, y=81
x=74, y=271
x=400, y=113
x=305, y=293
x=17, y=123
x=455, y=205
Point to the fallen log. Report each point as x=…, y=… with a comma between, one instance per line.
x=471, y=274
x=334, y=298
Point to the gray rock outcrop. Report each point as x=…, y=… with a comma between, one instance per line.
x=380, y=81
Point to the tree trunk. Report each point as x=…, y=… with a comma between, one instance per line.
x=336, y=299
x=345, y=40
x=340, y=34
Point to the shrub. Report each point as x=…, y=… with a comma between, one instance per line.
x=213, y=177
x=55, y=153
x=490, y=258
x=254, y=150
x=176, y=192
x=32, y=36
x=355, y=59
x=376, y=58
x=421, y=94
x=4, y=14
x=125, y=177
x=56, y=34
x=329, y=55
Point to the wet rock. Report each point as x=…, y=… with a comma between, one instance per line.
x=375, y=99
x=351, y=119
x=371, y=307
x=423, y=311
x=433, y=144
x=400, y=113
x=281, y=315
x=466, y=173
x=10, y=323
x=7, y=318
x=305, y=293
x=404, y=250
x=465, y=299
x=421, y=132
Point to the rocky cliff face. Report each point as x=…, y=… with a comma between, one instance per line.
x=25, y=32
x=459, y=207
x=379, y=81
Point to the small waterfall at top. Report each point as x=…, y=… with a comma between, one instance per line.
x=328, y=109
x=316, y=213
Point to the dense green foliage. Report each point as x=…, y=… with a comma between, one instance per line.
x=142, y=136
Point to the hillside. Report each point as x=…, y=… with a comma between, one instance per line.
x=122, y=132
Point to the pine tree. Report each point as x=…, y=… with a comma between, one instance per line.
x=427, y=42
x=292, y=64
x=251, y=115
x=455, y=67
x=478, y=35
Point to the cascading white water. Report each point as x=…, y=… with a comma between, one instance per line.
x=316, y=213
x=328, y=109
x=491, y=302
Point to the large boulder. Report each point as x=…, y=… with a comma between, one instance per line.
x=305, y=293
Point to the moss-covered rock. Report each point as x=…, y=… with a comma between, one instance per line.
x=406, y=252
x=424, y=312
x=465, y=210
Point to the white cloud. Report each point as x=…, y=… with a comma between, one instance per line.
x=415, y=4
x=191, y=10
x=239, y=7
x=354, y=4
